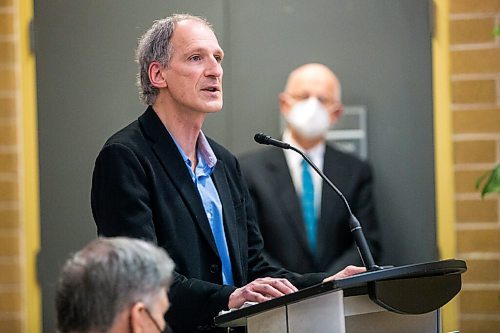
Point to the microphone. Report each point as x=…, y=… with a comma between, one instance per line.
x=354, y=225
x=267, y=140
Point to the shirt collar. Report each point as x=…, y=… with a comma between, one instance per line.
x=205, y=154
x=315, y=153
x=204, y=151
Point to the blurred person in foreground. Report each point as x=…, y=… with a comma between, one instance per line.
x=289, y=196
x=114, y=285
x=161, y=179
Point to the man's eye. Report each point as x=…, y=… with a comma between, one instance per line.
x=195, y=58
x=218, y=58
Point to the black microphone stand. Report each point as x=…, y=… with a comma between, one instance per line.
x=354, y=225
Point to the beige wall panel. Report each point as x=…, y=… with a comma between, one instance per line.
x=477, y=121
x=9, y=191
x=8, y=134
x=9, y=246
x=8, y=81
x=476, y=210
x=482, y=271
x=479, y=326
x=10, y=325
x=474, y=6
x=7, y=52
x=7, y=107
x=481, y=151
x=465, y=181
x=478, y=241
x=475, y=61
x=478, y=91
x=6, y=23
x=8, y=162
x=10, y=273
x=10, y=301
x=6, y=3
x=485, y=301
x=9, y=218
x=472, y=31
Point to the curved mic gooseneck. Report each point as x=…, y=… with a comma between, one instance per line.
x=354, y=225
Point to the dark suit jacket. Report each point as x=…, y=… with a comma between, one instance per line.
x=141, y=188
x=280, y=216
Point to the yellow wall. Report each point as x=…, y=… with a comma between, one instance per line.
x=444, y=149
x=467, y=131
x=19, y=221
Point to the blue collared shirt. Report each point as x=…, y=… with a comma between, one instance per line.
x=210, y=198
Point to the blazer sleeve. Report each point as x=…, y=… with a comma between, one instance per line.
x=120, y=200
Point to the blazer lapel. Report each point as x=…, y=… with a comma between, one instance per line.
x=220, y=180
x=332, y=207
x=286, y=194
x=171, y=159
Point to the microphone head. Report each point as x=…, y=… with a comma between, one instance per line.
x=261, y=138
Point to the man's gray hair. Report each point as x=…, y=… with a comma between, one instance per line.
x=155, y=45
x=107, y=276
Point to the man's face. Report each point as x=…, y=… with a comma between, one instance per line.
x=194, y=73
x=311, y=83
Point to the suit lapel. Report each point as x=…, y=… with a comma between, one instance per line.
x=169, y=156
x=220, y=180
x=286, y=194
x=332, y=208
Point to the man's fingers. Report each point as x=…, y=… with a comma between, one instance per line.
x=267, y=290
x=346, y=272
x=282, y=285
x=290, y=285
x=254, y=296
x=261, y=290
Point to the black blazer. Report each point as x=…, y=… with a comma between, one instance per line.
x=280, y=216
x=141, y=188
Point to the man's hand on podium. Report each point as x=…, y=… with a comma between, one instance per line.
x=260, y=290
x=346, y=272
x=264, y=289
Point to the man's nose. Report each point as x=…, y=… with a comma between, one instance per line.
x=214, y=68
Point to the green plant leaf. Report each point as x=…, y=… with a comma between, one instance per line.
x=492, y=184
x=496, y=31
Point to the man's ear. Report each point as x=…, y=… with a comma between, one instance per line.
x=336, y=113
x=284, y=104
x=156, y=75
x=136, y=315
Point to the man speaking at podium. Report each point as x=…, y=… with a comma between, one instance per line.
x=162, y=180
x=289, y=197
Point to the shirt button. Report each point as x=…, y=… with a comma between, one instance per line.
x=214, y=268
x=209, y=215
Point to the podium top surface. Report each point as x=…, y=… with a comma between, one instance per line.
x=353, y=285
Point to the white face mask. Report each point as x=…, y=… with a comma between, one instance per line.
x=309, y=118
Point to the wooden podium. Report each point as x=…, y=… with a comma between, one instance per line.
x=395, y=299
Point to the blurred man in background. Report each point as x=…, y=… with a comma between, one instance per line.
x=114, y=285
x=304, y=224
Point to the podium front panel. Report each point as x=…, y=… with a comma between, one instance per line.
x=272, y=321
x=319, y=314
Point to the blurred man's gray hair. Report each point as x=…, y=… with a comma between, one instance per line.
x=107, y=276
x=155, y=45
